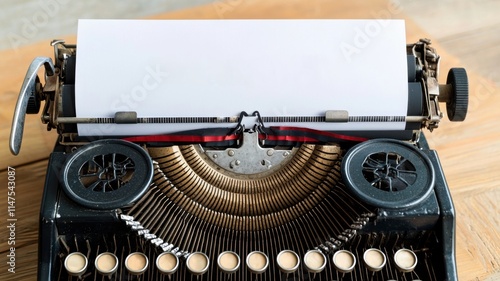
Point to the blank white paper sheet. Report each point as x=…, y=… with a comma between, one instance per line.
x=219, y=68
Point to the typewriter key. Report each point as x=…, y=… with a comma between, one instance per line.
x=344, y=261
x=288, y=261
x=405, y=260
x=136, y=263
x=76, y=264
x=374, y=259
x=106, y=263
x=315, y=261
x=197, y=263
x=228, y=262
x=257, y=262
x=167, y=263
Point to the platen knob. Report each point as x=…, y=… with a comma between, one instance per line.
x=33, y=106
x=458, y=101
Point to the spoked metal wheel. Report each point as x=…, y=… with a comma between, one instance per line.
x=107, y=174
x=388, y=173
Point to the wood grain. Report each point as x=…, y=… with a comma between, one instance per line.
x=469, y=151
x=29, y=189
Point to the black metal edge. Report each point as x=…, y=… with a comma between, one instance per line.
x=447, y=223
x=47, y=231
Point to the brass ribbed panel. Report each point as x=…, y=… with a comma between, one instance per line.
x=245, y=202
x=193, y=205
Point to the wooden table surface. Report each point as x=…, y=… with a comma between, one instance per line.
x=469, y=151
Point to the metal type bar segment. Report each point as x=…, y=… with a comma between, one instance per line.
x=265, y=119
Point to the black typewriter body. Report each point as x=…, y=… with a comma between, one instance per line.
x=335, y=206
x=428, y=228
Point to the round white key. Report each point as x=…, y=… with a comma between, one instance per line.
x=76, y=264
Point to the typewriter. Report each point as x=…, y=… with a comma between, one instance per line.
x=239, y=199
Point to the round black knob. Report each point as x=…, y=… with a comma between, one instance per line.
x=33, y=106
x=458, y=103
